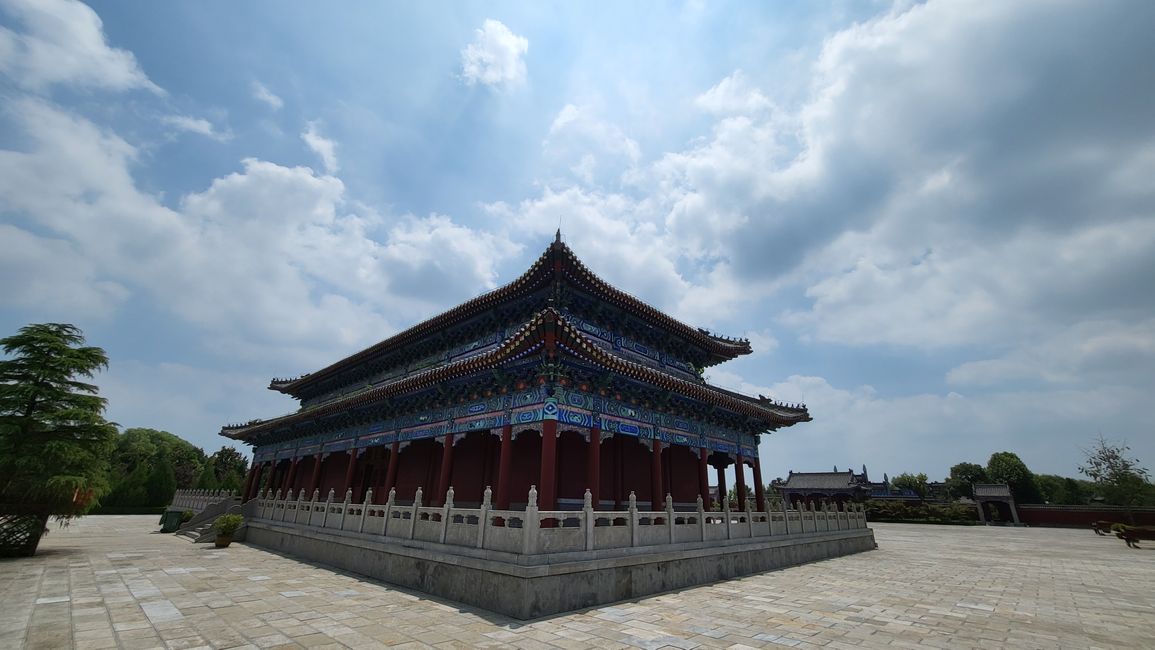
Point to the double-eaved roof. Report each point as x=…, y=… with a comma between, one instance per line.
x=548, y=327
x=557, y=265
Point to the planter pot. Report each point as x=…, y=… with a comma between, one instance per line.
x=223, y=540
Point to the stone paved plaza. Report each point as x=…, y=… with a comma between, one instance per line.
x=110, y=582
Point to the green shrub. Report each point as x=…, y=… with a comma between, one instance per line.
x=186, y=516
x=228, y=524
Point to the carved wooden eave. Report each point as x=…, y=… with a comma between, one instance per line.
x=557, y=264
x=548, y=329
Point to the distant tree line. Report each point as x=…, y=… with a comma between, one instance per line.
x=148, y=466
x=1112, y=477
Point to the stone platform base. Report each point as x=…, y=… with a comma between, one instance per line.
x=531, y=586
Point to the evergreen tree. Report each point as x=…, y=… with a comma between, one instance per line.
x=54, y=440
x=161, y=482
x=208, y=478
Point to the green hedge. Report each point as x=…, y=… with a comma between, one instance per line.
x=923, y=513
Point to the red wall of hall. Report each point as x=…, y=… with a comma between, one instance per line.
x=572, y=461
x=419, y=464
x=475, y=459
x=680, y=474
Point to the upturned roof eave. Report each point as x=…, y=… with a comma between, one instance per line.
x=530, y=336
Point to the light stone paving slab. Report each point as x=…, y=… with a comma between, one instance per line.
x=111, y=582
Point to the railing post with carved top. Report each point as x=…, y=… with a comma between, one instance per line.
x=531, y=524
x=365, y=509
x=588, y=518
x=345, y=506
x=633, y=511
x=483, y=520
x=328, y=507
x=445, y=514
x=390, y=502
x=701, y=519
x=670, y=515
x=416, y=507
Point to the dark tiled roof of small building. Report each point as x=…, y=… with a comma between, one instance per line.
x=820, y=481
x=992, y=490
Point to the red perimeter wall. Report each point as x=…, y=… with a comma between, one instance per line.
x=1082, y=516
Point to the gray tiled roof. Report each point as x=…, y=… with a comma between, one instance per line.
x=992, y=490
x=819, y=481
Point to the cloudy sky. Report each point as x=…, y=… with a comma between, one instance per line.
x=935, y=221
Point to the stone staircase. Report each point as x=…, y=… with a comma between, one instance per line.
x=200, y=533
x=208, y=506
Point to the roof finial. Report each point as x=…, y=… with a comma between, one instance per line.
x=557, y=237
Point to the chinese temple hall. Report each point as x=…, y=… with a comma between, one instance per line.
x=499, y=430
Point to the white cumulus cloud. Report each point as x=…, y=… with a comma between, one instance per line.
x=496, y=57
x=325, y=148
x=63, y=43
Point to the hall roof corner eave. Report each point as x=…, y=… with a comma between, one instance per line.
x=529, y=337
x=540, y=273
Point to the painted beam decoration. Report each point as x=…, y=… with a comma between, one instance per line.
x=582, y=410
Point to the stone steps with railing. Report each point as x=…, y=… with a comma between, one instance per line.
x=206, y=505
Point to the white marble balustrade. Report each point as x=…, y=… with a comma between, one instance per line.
x=533, y=531
x=198, y=500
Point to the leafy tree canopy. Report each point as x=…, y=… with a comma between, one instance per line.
x=54, y=440
x=962, y=478
x=137, y=446
x=916, y=483
x=1119, y=478
x=230, y=467
x=1007, y=467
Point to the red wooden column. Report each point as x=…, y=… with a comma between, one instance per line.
x=446, y=468
x=350, y=469
x=291, y=475
x=704, y=477
x=391, y=473
x=248, y=483
x=505, y=460
x=259, y=479
x=759, y=487
x=722, y=491
x=740, y=481
x=547, y=490
x=315, y=482
x=657, y=497
x=594, y=465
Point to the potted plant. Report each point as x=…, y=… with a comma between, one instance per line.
x=225, y=526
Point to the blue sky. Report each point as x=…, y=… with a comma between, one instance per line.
x=934, y=221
